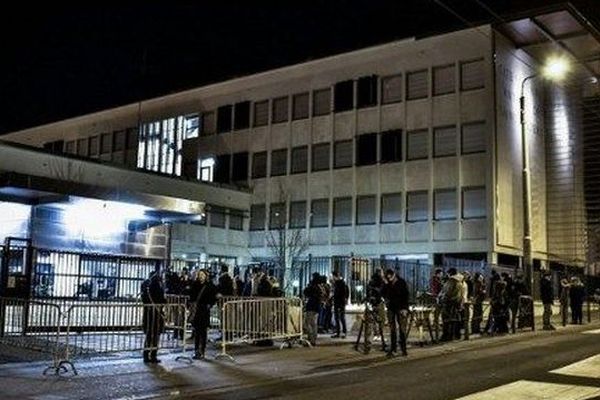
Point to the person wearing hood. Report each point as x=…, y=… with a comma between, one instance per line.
x=451, y=300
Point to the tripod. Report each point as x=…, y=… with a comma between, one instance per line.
x=372, y=316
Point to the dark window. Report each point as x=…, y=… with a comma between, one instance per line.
x=344, y=96
x=417, y=206
x=444, y=141
x=391, y=208
x=342, y=211
x=472, y=75
x=239, y=169
x=280, y=110
x=224, y=119
x=300, y=106
x=261, y=113
x=55, y=147
x=70, y=147
x=416, y=85
x=277, y=216
x=132, y=138
x=236, y=220
x=299, y=160
x=366, y=213
x=217, y=217
x=94, y=146
x=391, y=146
x=473, y=203
x=106, y=143
x=391, y=89
x=82, y=147
x=242, y=115
x=321, y=102
x=366, y=149
x=444, y=204
x=259, y=165
x=417, y=145
x=279, y=162
x=473, y=138
x=443, y=80
x=342, y=154
x=298, y=214
x=222, y=168
x=208, y=123
x=257, y=217
x=119, y=140
x=367, y=91
x=320, y=157
x=319, y=210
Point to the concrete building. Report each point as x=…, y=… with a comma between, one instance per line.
x=408, y=150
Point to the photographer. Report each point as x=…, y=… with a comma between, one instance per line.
x=153, y=321
x=395, y=292
x=374, y=309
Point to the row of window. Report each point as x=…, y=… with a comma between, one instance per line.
x=93, y=146
x=391, y=210
x=346, y=153
x=366, y=91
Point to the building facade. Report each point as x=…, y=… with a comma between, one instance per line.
x=408, y=150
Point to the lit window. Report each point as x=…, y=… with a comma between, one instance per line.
x=191, y=126
x=206, y=171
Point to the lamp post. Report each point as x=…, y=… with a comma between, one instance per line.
x=554, y=69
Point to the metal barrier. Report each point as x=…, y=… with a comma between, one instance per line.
x=246, y=321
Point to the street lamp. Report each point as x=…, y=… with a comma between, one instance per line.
x=554, y=69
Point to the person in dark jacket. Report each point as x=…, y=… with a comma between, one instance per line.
x=340, y=298
x=264, y=288
x=153, y=297
x=312, y=306
x=182, y=288
x=478, y=299
x=374, y=314
x=547, y=294
x=395, y=293
x=225, y=285
x=204, y=296
x=576, y=297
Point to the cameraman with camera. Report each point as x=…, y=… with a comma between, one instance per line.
x=374, y=309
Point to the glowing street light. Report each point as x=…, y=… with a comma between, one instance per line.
x=555, y=69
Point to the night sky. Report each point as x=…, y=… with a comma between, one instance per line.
x=70, y=59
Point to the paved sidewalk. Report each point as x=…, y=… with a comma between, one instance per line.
x=131, y=379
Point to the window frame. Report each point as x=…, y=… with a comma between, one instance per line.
x=402, y=77
x=262, y=206
x=471, y=61
x=407, y=209
x=292, y=221
x=408, y=134
x=295, y=98
x=274, y=118
x=294, y=150
x=462, y=142
x=433, y=86
x=334, y=221
x=428, y=89
x=266, y=163
x=261, y=103
x=381, y=208
x=435, y=208
x=335, y=153
x=312, y=214
x=434, y=148
x=285, y=169
x=312, y=161
x=374, y=211
x=314, y=103
x=462, y=201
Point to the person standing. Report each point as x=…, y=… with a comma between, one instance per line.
x=478, y=298
x=204, y=296
x=183, y=290
x=340, y=298
x=374, y=309
x=564, y=297
x=312, y=306
x=547, y=294
x=395, y=293
x=153, y=322
x=577, y=297
x=451, y=299
x=225, y=285
x=435, y=288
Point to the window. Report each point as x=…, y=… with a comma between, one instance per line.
x=55, y=146
x=132, y=138
x=391, y=208
x=279, y=162
x=106, y=143
x=320, y=157
x=224, y=119
x=366, y=213
x=239, y=168
x=217, y=217
x=299, y=160
x=241, y=115
x=342, y=211
x=444, y=204
x=417, y=85
x=473, y=203
x=191, y=126
x=277, y=216
x=366, y=91
x=280, y=110
x=207, y=169
x=391, y=146
x=417, y=145
x=319, y=213
x=70, y=147
x=261, y=113
x=300, y=106
x=444, y=141
x=473, y=138
x=119, y=140
x=259, y=165
x=366, y=149
x=257, y=217
x=444, y=80
x=417, y=206
x=391, y=89
x=82, y=147
x=472, y=75
x=94, y=143
x=236, y=220
x=222, y=168
x=208, y=123
x=298, y=214
x=342, y=156
x=321, y=102
x=344, y=96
